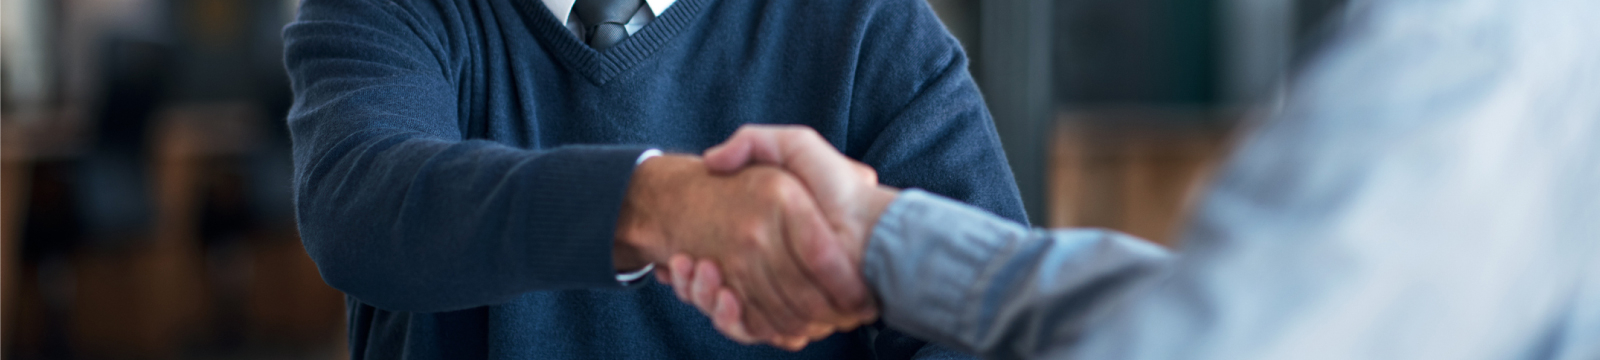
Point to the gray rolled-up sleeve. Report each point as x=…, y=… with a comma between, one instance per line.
x=963, y=277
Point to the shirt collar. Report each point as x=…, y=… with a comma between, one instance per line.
x=563, y=8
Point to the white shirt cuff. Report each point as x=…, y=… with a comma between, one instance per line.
x=646, y=155
x=629, y=277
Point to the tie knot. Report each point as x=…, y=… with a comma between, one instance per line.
x=596, y=12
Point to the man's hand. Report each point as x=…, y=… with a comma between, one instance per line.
x=753, y=223
x=848, y=193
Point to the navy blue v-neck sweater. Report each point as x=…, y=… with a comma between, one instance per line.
x=460, y=163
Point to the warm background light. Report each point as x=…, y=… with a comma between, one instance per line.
x=144, y=163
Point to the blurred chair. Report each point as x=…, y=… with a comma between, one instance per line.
x=113, y=177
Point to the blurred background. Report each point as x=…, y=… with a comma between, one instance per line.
x=144, y=163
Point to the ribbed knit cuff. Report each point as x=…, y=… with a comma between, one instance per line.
x=579, y=191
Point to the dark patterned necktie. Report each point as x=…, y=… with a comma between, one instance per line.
x=604, y=20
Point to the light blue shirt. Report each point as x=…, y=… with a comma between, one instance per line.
x=1431, y=190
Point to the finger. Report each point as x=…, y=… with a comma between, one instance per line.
x=735, y=152
x=725, y=316
x=813, y=334
x=663, y=276
x=831, y=177
x=820, y=254
x=770, y=283
x=811, y=308
x=706, y=283
x=788, y=343
x=793, y=344
x=768, y=144
x=782, y=285
x=834, y=180
x=761, y=306
x=827, y=277
x=834, y=272
x=866, y=173
x=682, y=268
x=823, y=335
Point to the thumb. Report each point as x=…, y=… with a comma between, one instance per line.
x=729, y=156
x=750, y=144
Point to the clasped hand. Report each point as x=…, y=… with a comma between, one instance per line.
x=765, y=234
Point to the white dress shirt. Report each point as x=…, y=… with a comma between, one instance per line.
x=563, y=11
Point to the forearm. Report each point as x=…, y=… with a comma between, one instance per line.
x=429, y=225
x=967, y=279
x=399, y=206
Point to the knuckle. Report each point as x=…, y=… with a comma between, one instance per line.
x=773, y=183
x=750, y=235
x=811, y=135
x=788, y=190
x=866, y=172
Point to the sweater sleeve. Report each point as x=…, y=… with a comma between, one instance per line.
x=397, y=207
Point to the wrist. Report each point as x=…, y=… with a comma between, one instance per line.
x=630, y=250
x=877, y=201
x=639, y=239
x=626, y=257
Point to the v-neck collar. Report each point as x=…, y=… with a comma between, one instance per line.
x=563, y=8
x=601, y=66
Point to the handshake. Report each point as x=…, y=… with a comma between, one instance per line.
x=765, y=234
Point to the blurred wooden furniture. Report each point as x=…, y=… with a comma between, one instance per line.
x=13, y=197
x=155, y=296
x=1134, y=170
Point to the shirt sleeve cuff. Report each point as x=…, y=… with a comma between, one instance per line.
x=628, y=278
x=646, y=155
x=925, y=255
